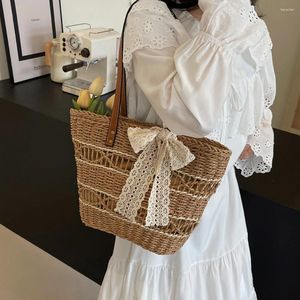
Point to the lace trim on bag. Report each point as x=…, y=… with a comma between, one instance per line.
x=161, y=153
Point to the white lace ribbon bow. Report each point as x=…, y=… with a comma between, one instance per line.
x=161, y=153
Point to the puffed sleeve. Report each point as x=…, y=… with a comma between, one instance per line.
x=186, y=84
x=262, y=139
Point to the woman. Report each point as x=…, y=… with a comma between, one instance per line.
x=208, y=72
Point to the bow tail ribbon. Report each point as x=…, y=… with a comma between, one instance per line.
x=137, y=184
x=158, y=203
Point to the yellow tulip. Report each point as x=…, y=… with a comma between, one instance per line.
x=96, y=87
x=84, y=99
x=110, y=102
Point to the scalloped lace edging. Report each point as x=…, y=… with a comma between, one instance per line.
x=255, y=164
x=262, y=158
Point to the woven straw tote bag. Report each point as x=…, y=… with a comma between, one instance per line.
x=140, y=181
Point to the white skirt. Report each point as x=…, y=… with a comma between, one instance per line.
x=214, y=263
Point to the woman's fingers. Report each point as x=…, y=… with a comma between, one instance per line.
x=247, y=152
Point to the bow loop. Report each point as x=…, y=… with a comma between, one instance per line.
x=139, y=138
x=180, y=154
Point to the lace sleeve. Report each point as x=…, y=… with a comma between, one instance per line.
x=262, y=140
x=177, y=74
x=262, y=144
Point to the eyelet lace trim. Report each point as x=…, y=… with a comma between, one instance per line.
x=261, y=142
x=161, y=153
x=269, y=96
x=261, y=162
x=262, y=50
x=154, y=30
x=262, y=138
x=249, y=13
x=216, y=133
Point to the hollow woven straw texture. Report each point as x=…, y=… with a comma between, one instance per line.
x=102, y=172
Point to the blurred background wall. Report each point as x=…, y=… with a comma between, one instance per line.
x=281, y=17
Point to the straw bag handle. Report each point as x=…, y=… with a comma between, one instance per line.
x=120, y=97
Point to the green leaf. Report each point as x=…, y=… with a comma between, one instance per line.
x=93, y=105
x=76, y=105
x=101, y=108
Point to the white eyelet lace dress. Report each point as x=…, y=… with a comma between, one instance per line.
x=211, y=78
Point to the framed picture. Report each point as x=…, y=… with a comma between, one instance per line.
x=27, y=25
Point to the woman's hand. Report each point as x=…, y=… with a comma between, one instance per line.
x=247, y=152
x=196, y=12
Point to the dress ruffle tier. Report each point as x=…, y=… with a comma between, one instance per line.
x=224, y=278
